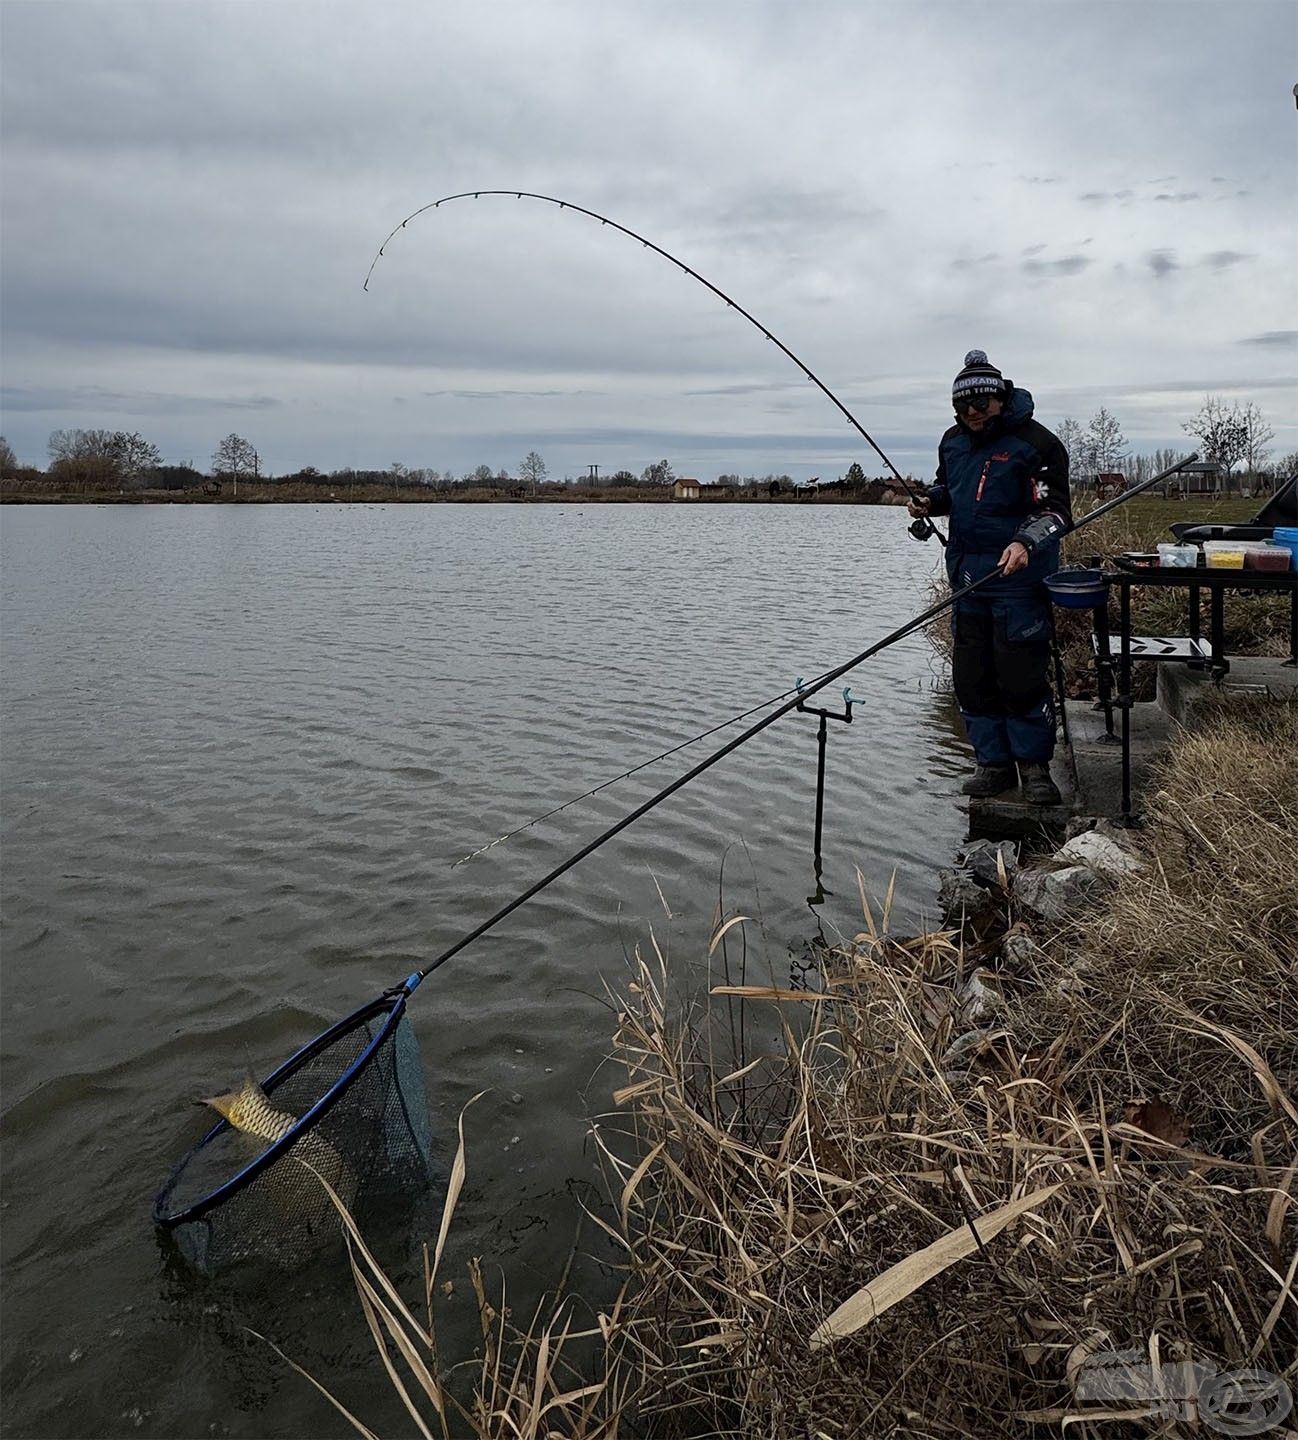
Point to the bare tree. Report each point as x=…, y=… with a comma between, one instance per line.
x=8, y=460
x=659, y=473
x=1221, y=431
x=1073, y=438
x=533, y=468
x=87, y=457
x=233, y=458
x=134, y=454
x=1105, y=444
x=1258, y=437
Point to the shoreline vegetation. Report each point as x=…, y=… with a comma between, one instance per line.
x=995, y=1181
x=1010, y=1177
x=39, y=491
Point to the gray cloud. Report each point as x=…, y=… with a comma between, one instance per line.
x=1179, y=197
x=506, y=394
x=1224, y=259
x=96, y=400
x=1069, y=265
x=1162, y=262
x=1284, y=338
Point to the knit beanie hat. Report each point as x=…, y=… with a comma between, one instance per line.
x=979, y=377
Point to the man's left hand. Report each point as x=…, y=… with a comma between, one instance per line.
x=1014, y=557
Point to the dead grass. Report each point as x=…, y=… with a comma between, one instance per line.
x=924, y=1204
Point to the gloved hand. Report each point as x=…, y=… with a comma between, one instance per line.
x=919, y=507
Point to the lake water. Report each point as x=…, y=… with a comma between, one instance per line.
x=242, y=748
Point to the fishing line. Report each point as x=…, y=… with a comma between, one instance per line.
x=799, y=689
x=923, y=527
x=362, y=1082
x=643, y=765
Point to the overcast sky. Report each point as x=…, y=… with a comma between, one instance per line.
x=1101, y=195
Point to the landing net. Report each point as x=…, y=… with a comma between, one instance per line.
x=357, y=1095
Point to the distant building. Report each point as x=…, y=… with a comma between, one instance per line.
x=892, y=491
x=816, y=485
x=1203, y=477
x=685, y=489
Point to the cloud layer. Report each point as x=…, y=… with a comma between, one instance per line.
x=1100, y=196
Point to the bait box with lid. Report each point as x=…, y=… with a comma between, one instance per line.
x=1265, y=555
x=1224, y=554
x=1287, y=535
x=1178, y=557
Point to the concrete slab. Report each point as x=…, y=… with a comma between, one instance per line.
x=1098, y=760
x=1010, y=817
x=1181, y=689
x=1088, y=770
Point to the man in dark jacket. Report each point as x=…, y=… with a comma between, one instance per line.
x=1003, y=480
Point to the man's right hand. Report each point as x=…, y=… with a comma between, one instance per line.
x=919, y=508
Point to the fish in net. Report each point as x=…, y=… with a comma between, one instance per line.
x=349, y=1108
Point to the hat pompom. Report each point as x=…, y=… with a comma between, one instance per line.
x=976, y=357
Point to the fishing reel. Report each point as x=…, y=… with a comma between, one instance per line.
x=921, y=528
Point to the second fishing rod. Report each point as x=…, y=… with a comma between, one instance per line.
x=804, y=693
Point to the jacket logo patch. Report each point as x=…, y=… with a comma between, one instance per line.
x=1006, y=456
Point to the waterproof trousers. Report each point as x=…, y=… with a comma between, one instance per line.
x=1001, y=670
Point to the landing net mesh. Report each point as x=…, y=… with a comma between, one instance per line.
x=372, y=1142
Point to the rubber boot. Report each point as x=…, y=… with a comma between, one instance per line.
x=1038, y=787
x=990, y=780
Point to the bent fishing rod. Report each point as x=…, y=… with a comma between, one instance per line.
x=804, y=693
x=922, y=527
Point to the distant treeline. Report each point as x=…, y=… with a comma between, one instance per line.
x=124, y=465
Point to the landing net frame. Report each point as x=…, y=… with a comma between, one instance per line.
x=362, y=1124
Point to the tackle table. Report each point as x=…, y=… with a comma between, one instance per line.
x=1189, y=649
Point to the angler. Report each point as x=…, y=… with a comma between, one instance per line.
x=1003, y=479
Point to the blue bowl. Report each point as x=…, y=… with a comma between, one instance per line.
x=1077, y=589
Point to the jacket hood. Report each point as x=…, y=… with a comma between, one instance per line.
x=1020, y=407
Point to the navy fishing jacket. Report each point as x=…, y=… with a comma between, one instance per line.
x=994, y=485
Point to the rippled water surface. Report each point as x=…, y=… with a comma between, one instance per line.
x=242, y=748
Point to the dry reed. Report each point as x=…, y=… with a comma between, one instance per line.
x=935, y=1201
x=1135, y=1094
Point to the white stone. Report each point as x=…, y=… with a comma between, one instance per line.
x=1056, y=894
x=1100, y=853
